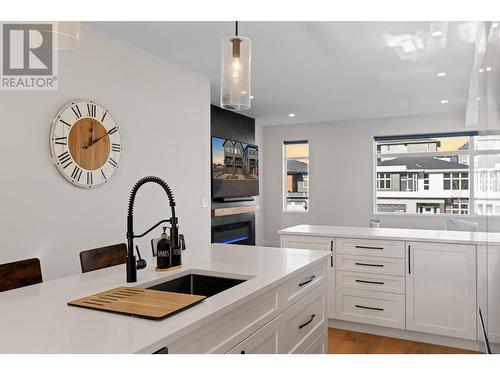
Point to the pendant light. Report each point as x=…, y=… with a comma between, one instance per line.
x=68, y=34
x=235, y=72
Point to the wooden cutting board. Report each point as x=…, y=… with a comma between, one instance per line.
x=143, y=303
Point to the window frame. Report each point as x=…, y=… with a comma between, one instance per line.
x=472, y=152
x=284, y=171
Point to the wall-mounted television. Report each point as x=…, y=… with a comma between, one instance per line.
x=235, y=169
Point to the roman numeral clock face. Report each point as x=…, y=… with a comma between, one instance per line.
x=85, y=143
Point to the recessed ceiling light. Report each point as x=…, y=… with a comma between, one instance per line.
x=481, y=70
x=251, y=96
x=488, y=68
x=441, y=74
x=444, y=101
x=437, y=33
x=291, y=115
x=478, y=98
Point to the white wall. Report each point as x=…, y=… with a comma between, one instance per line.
x=259, y=201
x=164, y=116
x=341, y=172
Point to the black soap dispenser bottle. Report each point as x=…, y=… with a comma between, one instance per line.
x=163, y=256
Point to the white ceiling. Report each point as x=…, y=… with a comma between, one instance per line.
x=324, y=71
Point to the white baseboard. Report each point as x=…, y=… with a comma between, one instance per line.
x=409, y=335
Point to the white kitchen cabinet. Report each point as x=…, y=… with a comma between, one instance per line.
x=304, y=321
x=299, y=329
x=441, y=289
x=489, y=290
x=320, y=345
x=265, y=341
x=316, y=243
x=377, y=308
x=493, y=325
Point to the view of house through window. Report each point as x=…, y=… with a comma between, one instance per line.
x=296, y=176
x=432, y=174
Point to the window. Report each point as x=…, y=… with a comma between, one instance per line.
x=296, y=176
x=455, y=174
x=408, y=182
x=428, y=174
x=456, y=181
x=383, y=181
x=426, y=181
x=457, y=207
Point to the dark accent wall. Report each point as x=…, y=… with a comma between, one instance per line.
x=234, y=126
x=231, y=125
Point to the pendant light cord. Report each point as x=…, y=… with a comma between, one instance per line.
x=236, y=28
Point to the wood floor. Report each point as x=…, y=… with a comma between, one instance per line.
x=349, y=342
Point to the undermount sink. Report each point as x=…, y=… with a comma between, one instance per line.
x=203, y=285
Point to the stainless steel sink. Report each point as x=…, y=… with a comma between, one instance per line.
x=192, y=283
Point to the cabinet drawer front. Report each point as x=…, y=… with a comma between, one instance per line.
x=389, y=249
x=298, y=286
x=264, y=341
x=368, y=281
x=304, y=321
x=223, y=333
x=383, y=266
x=382, y=309
x=320, y=345
x=307, y=242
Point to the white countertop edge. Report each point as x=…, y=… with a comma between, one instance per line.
x=401, y=234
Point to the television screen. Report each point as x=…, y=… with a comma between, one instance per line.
x=235, y=169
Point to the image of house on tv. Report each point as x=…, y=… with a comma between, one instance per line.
x=240, y=160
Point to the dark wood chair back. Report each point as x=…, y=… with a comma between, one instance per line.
x=103, y=257
x=21, y=273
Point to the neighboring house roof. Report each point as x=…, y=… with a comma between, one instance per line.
x=420, y=163
x=296, y=167
x=465, y=146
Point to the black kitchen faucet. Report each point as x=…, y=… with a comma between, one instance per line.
x=132, y=264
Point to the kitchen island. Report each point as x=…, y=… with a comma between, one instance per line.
x=284, y=288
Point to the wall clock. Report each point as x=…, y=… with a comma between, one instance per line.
x=85, y=143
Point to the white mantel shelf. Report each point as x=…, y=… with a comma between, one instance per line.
x=476, y=238
x=37, y=319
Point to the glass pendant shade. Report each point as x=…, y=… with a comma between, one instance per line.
x=235, y=73
x=68, y=34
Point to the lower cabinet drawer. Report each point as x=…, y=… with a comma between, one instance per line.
x=320, y=345
x=369, y=281
x=299, y=285
x=362, y=306
x=225, y=332
x=264, y=341
x=304, y=321
x=383, y=266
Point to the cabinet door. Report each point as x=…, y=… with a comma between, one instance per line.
x=265, y=341
x=316, y=243
x=493, y=316
x=441, y=289
x=320, y=345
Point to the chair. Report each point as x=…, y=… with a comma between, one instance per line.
x=19, y=274
x=103, y=257
x=461, y=225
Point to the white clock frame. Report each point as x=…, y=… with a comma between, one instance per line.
x=61, y=127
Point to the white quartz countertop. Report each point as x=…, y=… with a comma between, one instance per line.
x=37, y=319
x=396, y=234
